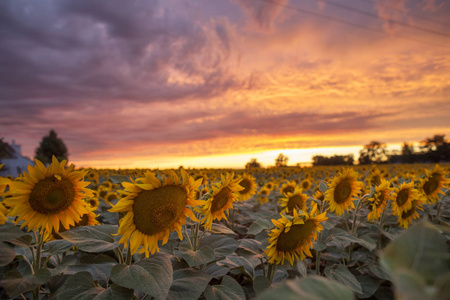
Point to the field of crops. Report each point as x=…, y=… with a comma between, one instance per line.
x=364, y=232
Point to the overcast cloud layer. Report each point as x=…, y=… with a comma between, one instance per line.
x=193, y=78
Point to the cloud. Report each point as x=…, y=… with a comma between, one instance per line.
x=263, y=13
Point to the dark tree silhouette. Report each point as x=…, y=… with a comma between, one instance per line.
x=373, y=153
x=253, y=163
x=49, y=146
x=281, y=160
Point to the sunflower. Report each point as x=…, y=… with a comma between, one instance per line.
x=306, y=184
x=293, y=201
x=406, y=217
x=433, y=184
x=88, y=219
x=342, y=190
x=247, y=181
x=46, y=197
x=287, y=187
x=155, y=205
x=93, y=202
x=3, y=213
x=3, y=183
x=375, y=177
x=111, y=196
x=293, y=236
x=402, y=198
x=319, y=195
x=220, y=199
x=379, y=200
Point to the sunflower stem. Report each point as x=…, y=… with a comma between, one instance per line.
x=271, y=272
x=380, y=228
x=37, y=259
x=438, y=209
x=354, y=227
x=318, y=262
x=187, y=236
x=263, y=267
x=129, y=255
x=119, y=255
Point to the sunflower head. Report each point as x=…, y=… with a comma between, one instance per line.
x=155, y=205
x=46, y=197
x=220, y=199
x=343, y=189
x=306, y=184
x=294, y=201
x=379, y=200
x=248, y=182
x=403, y=196
x=433, y=184
x=287, y=187
x=405, y=218
x=93, y=202
x=293, y=236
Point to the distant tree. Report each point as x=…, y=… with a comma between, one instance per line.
x=49, y=146
x=433, y=143
x=281, y=160
x=373, y=153
x=253, y=163
x=436, y=149
x=5, y=150
x=335, y=160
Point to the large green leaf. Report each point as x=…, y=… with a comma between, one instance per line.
x=9, y=232
x=311, y=288
x=15, y=283
x=260, y=284
x=152, y=275
x=259, y=225
x=88, y=239
x=221, y=229
x=188, y=284
x=344, y=236
x=342, y=274
x=57, y=246
x=7, y=254
x=229, y=289
x=421, y=249
x=238, y=262
x=202, y=256
x=115, y=292
x=222, y=246
x=80, y=286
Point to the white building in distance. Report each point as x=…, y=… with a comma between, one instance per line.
x=14, y=162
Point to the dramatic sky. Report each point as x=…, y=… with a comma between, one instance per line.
x=215, y=82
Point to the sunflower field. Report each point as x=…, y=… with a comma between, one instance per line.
x=360, y=232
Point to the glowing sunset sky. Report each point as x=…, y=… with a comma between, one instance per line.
x=215, y=82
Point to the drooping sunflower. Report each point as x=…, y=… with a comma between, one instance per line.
x=343, y=189
x=379, y=200
x=293, y=201
x=374, y=177
x=293, y=236
x=46, y=197
x=287, y=187
x=406, y=218
x=220, y=199
x=248, y=182
x=402, y=198
x=319, y=195
x=93, y=202
x=155, y=206
x=433, y=183
x=263, y=195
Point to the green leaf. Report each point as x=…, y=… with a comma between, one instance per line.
x=300, y=267
x=342, y=275
x=216, y=271
x=221, y=229
x=251, y=245
x=88, y=239
x=100, y=272
x=57, y=246
x=260, y=284
x=118, y=179
x=9, y=232
x=421, y=249
x=229, y=289
x=7, y=254
x=344, y=236
x=152, y=275
x=410, y=285
x=15, y=283
x=319, y=246
x=221, y=245
x=115, y=292
x=22, y=241
x=238, y=262
x=323, y=187
x=188, y=284
x=312, y=287
x=369, y=286
x=78, y=286
x=202, y=256
x=259, y=225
